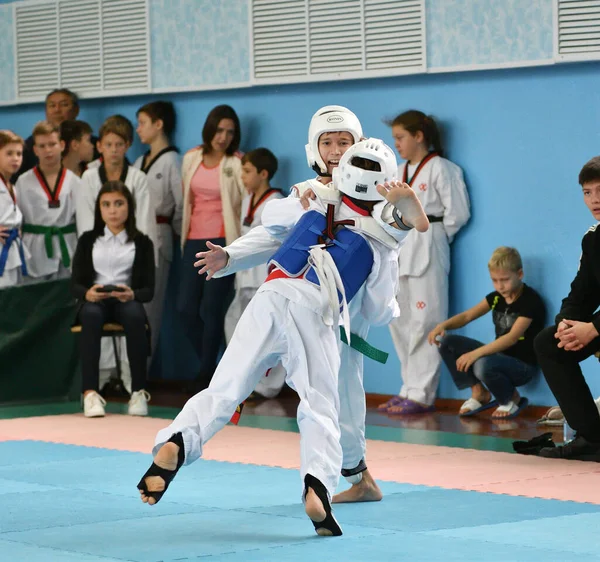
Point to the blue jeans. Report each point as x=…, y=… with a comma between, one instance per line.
x=202, y=305
x=500, y=373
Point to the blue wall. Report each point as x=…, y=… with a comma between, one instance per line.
x=521, y=137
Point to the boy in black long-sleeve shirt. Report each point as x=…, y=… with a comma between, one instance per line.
x=574, y=337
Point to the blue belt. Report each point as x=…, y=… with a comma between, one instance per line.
x=13, y=236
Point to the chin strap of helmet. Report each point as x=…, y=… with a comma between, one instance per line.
x=317, y=170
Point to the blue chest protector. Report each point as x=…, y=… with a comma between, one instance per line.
x=351, y=253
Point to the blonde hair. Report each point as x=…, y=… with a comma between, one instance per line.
x=506, y=258
x=8, y=137
x=45, y=128
x=118, y=125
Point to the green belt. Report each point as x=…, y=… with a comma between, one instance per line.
x=364, y=347
x=49, y=232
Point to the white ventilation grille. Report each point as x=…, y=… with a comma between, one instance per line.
x=36, y=49
x=309, y=40
x=79, y=39
x=125, y=45
x=394, y=34
x=93, y=47
x=279, y=31
x=577, y=29
x=336, y=36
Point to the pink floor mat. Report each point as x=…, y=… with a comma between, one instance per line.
x=447, y=467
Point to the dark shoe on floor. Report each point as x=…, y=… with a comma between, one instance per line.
x=535, y=445
x=579, y=449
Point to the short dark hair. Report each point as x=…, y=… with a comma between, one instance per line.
x=116, y=186
x=590, y=171
x=212, y=124
x=118, y=125
x=262, y=159
x=163, y=110
x=72, y=95
x=73, y=130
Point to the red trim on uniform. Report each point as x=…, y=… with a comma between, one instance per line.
x=162, y=220
x=347, y=201
x=252, y=208
x=52, y=195
x=419, y=168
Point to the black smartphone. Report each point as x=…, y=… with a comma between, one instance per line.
x=110, y=289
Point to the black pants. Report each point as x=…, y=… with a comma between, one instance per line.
x=566, y=381
x=202, y=306
x=132, y=317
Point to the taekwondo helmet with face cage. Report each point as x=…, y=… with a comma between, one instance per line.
x=329, y=119
x=351, y=177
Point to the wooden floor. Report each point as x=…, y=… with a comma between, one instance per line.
x=444, y=419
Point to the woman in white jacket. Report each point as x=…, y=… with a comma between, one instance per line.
x=424, y=258
x=212, y=199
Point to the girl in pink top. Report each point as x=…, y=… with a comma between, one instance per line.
x=212, y=199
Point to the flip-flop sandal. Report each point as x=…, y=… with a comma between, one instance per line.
x=409, y=408
x=475, y=406
x=393, y=401
x=553, y=416
x=512, y=409
x=329, y=527
x=166, y=475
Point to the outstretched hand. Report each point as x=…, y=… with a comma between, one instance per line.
x=211, y=261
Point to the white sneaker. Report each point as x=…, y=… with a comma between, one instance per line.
x=138, y=404
x=93, y=405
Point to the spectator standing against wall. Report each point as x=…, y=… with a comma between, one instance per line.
x=424, y=259
x=47, y=195
x=61, y=104
x=212, y=202
x=162, y=166
x=12, y=253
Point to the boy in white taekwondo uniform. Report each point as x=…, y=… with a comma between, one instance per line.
x=162, y=166
x=332, y=253
x=333, y=129
x=115, y=138
x=47, y=195
x=12, y=252
x=258, y=168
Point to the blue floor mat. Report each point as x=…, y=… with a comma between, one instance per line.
x=62, y=502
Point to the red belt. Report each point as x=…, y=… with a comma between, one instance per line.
x=162, y=220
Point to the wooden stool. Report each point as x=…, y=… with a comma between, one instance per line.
x=114, y=331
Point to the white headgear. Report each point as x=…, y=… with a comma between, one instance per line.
x=329, y=119
x=359, y=183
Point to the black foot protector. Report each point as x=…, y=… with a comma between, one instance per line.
x=329, y=527
x=166, y=475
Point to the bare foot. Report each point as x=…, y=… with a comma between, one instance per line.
x=366, y=490
x=402, y=196
x=315, y=510
x=165, y=458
